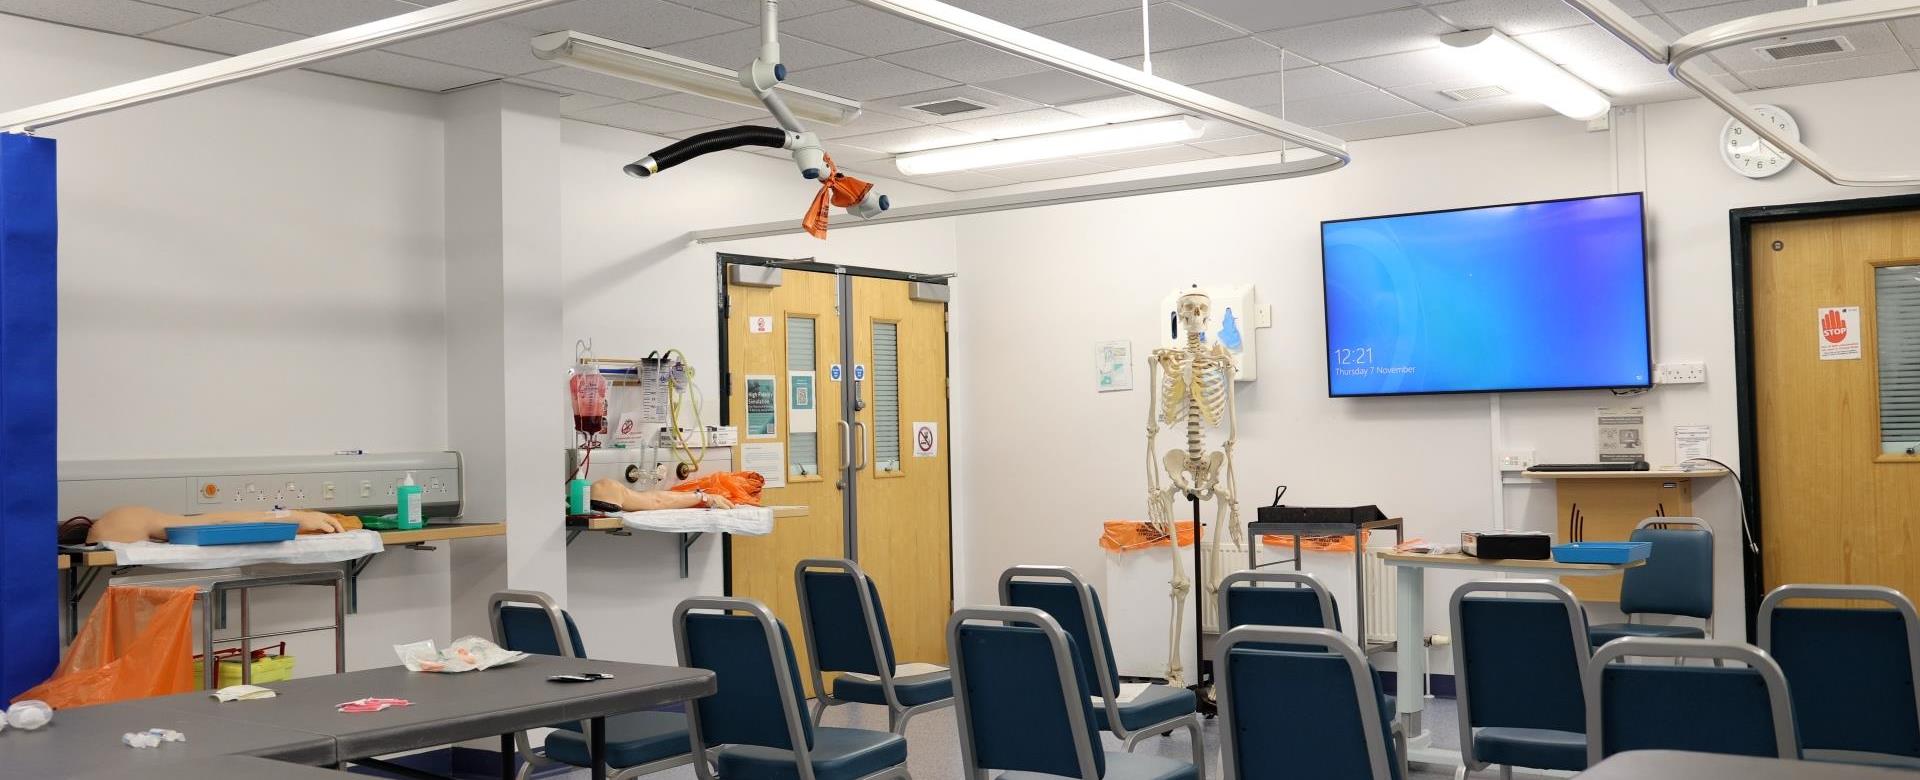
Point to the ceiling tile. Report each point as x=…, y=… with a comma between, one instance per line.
x=867, y=80
x=864, y=30
x=1259, y=15
x=913, y=139
x=572, y=105
x=211, y=33
x=961, y=181
x=1486, y=112
x=648, y=23
x=1513, y=17
x=1257, y=143
x=1125, y=108
x=1390, y=126
x=708, y=107
x=1429, y=96
x=1052, y=169
x=1340, y=109
x=572, y=79
x=848, y=154
x=867, y=123
x=313, y=18
x=1158, y=155
x=493, y=47
x=1864, y=38
x=735, y=49
x=1909, y=31
x=1370, y=36
x=1042, y=120
x=995, y=102
x=1220, y=60
x=1696, y=18
x=749, y=10
x=1033, y=13
x=645, y=119
x=119, y=16
x=1613, y=76
x=1299, y=84
x=402, y=71
x=1052, y=87
x=1423, y=66
x=1653, y=93
x=965, y=62
x=196, y=6
x=1836, y=70
x=1117, y=34
x=1217, y=130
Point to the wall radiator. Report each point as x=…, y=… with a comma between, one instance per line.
x=1382, y=597
x=1382, y=591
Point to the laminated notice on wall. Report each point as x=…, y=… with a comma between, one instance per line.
x=767, y=460
x=1622, y=433
x=801, y=391
x=762, y=395
x=1114, y=361
x=1839, y=333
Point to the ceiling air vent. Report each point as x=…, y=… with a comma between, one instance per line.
x=1465, y=94
x=949, y=106
x=1798, y=49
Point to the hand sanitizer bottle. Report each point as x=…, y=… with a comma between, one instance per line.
x=407, y=514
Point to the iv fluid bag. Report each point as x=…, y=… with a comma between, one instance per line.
x=589, y=400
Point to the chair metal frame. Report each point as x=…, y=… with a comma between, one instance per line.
x=1109, y=688
x=789, y=699
x=1083, y=745
x=1367, y=697
x=530, y=757
x=1576, y=624
x=1328, y=617
x=897, y=713
x=1785, y=735
x=1909, y=617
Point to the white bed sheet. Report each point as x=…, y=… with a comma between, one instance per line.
x=742, y=520
x=315, y=548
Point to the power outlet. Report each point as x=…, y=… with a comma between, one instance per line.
x=1680, y=373
x=1516, y=460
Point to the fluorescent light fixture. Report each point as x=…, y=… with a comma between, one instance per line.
x=626, y=61
x=1523, y=72
x=1050, y=146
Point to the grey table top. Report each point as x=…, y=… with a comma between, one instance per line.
x=450, y=708
x=87, y=739
x=1665, y=764
x=219, y=768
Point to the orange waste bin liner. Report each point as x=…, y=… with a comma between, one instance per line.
x=1125, y=535
x=138, y=642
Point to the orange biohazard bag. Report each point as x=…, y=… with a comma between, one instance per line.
x=1125, y=535
x=1338, y=543
x=740, y=487
x=137, y=643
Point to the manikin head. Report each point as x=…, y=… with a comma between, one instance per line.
x=1194, y=310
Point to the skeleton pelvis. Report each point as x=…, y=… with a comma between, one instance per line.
x=1193, y=476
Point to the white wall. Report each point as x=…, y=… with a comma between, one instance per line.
x=252, y=270
x=635, y=284
x=1061, y=279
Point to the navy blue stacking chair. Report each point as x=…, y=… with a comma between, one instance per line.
x=1023, y=703
x=1676, y=580
x=1518, y=666
x=755, y=727
x=1059, y=591
x=846, y=630
x=1294, y=713
x=1853, y=672
x=1703, y=709
x=1306, y=604
x=638, y=743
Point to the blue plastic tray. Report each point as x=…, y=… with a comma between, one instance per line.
x=1602, y=552
x=231, y=533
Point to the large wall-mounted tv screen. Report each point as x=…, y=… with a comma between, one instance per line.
x=1530, y=296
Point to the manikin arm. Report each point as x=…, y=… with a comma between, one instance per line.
x=140, y=523
x=629, y=500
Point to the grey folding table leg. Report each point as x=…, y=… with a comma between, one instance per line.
x=506, y=756
x=597, y=749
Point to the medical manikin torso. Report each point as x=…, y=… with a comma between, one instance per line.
x=1193, y=388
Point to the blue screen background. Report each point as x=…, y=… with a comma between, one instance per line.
x=1526, y=297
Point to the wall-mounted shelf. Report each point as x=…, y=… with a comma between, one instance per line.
x=577, y=525
x=1664, y=474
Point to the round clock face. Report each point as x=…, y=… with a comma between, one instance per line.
x=1747, y=154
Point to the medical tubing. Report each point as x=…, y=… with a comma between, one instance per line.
x=707, y=143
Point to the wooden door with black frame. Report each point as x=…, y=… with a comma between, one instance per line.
x=781, y=341
x=903, y=532
x=1835, y=345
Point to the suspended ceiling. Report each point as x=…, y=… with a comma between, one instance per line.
x=1357, y=69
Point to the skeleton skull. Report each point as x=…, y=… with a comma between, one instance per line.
x=1195, y=308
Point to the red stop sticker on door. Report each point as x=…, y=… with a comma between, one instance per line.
x=1839, y=332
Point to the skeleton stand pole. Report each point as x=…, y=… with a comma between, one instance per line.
x=1202, y=674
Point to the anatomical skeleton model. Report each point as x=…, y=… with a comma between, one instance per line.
x=1194, y=387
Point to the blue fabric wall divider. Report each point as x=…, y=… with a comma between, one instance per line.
x=29, y=579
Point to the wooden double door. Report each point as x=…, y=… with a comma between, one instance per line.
x=837, y=377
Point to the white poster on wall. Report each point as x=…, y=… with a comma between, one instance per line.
x=1113, y=360
x=1839, y=332
x=768, y=460
x=1692, y=441
x=1622, y=432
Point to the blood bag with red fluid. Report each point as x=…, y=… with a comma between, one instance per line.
x=589, y=400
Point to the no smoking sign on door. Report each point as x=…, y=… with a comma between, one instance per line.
x=926, y=439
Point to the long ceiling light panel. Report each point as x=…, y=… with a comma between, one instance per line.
x=1051, y=146
x=1523, y=72
x=626, y=61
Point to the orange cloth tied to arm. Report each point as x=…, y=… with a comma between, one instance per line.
x=740, y=487
x=836, y=189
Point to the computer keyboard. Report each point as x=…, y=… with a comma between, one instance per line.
x=1638, y=465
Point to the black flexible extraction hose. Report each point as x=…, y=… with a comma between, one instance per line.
x=706, y=143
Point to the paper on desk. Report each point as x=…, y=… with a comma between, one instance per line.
x=903, y=670
x=243, y=693
x=466, y=654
